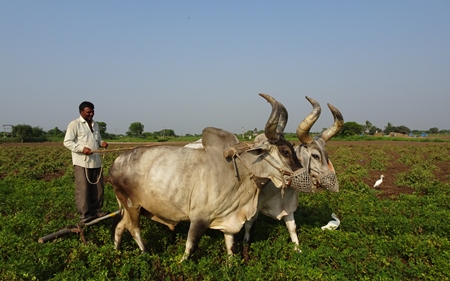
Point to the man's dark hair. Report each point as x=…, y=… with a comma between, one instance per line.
x=86, y=104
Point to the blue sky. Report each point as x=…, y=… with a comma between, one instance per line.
x=186, y=65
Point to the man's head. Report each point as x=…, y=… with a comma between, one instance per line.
x=86, y=110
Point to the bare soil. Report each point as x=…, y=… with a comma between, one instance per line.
x=388, y=188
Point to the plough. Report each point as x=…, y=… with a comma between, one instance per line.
x=79, y=228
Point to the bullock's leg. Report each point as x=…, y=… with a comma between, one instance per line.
x=229, y=242
x=130, y=221
x=292, y=228
x=134, y=229
x=119, y=230
x=196, y=230
x=248, y=228
x=248, y=225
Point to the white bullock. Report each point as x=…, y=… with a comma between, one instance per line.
x=214, y=187
x=313, y=156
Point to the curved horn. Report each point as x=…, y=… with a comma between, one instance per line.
x=277, y=120
x=282, y=119
x=337, y=125
x=304, y=127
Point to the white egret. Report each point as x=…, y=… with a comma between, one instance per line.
x=332, y=225
x=378, y=182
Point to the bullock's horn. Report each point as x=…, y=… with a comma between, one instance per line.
x=337, y=125
x=277, y=120
x=304, y=127
x=282, y=119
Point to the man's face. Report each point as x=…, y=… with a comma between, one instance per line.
x=87, y=113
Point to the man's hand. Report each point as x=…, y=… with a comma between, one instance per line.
x=87, y=151
x=104, y=144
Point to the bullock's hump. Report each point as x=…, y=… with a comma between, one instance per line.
x=218, y=138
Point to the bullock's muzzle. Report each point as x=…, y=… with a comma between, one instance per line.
x=300, y=181
x=329, y=182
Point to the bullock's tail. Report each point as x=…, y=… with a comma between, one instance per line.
x=116, y=219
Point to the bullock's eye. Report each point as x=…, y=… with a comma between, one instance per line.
x=286, y=152
x=315, y=156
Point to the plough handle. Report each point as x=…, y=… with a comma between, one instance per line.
x=78, y=229
x=97, y=220
x=55, y=235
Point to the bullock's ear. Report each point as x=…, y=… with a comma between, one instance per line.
x=260, y=148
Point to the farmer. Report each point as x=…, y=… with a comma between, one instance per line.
x=82, y=137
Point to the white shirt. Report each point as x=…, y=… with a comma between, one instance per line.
x=79, y=136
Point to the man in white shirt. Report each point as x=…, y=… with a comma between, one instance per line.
x=82, y=137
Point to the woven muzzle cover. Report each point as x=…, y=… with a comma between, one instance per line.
x=301, y=181
x=329, y=182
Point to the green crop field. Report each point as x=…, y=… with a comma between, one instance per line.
x=399, y=231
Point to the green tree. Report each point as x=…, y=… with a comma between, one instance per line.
x=25, y=133
x=55, y=132
x=136, y=129
x=250, y=134
x=351, y=129
x=165, y=133
x=433, y=130
x=402, y=129
x=102, y=126
x=22, y=131
x=374, y=130
x=37, y=132
x=368, y=127
x=389, y=128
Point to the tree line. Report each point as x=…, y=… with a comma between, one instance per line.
x=353, y=128
x=27, y=133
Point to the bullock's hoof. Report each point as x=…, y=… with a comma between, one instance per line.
x=245, y=253
x=230, y=261
x=297, y=249
x=183, y=258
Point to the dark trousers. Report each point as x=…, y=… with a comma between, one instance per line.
x=88, y=197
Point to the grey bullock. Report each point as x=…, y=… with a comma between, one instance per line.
x=213, y=187
x=313, y=156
